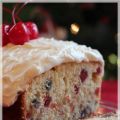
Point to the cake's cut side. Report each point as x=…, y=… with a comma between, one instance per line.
x=70, y=91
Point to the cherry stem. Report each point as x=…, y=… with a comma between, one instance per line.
x=10, y=12
x=13, y=14
x=19, y=10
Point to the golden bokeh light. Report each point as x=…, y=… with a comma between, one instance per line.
x=74, y=28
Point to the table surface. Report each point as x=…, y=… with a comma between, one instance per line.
x=109, y=93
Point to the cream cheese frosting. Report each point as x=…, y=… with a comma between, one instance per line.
x=23, y=62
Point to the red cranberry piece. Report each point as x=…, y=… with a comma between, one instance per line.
x=5, y=30
x=98, y=71
x=67, y=98
x=19, y=34
x=83, y=75
x=47, y=100
x=33, y=30
x=76, y=89
x=97, y=91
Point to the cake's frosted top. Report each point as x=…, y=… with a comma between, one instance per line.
x=23, y=62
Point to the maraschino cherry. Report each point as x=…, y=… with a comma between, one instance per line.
x=5, y=30
x=20, y=32
x=33, y=30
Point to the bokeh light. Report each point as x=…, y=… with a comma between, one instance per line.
x=118, y=61
x=74, y=28
x=112, y=58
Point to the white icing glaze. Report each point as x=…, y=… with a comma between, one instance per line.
x=23, y=62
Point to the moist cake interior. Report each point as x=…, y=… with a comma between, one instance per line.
x=66, y=92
